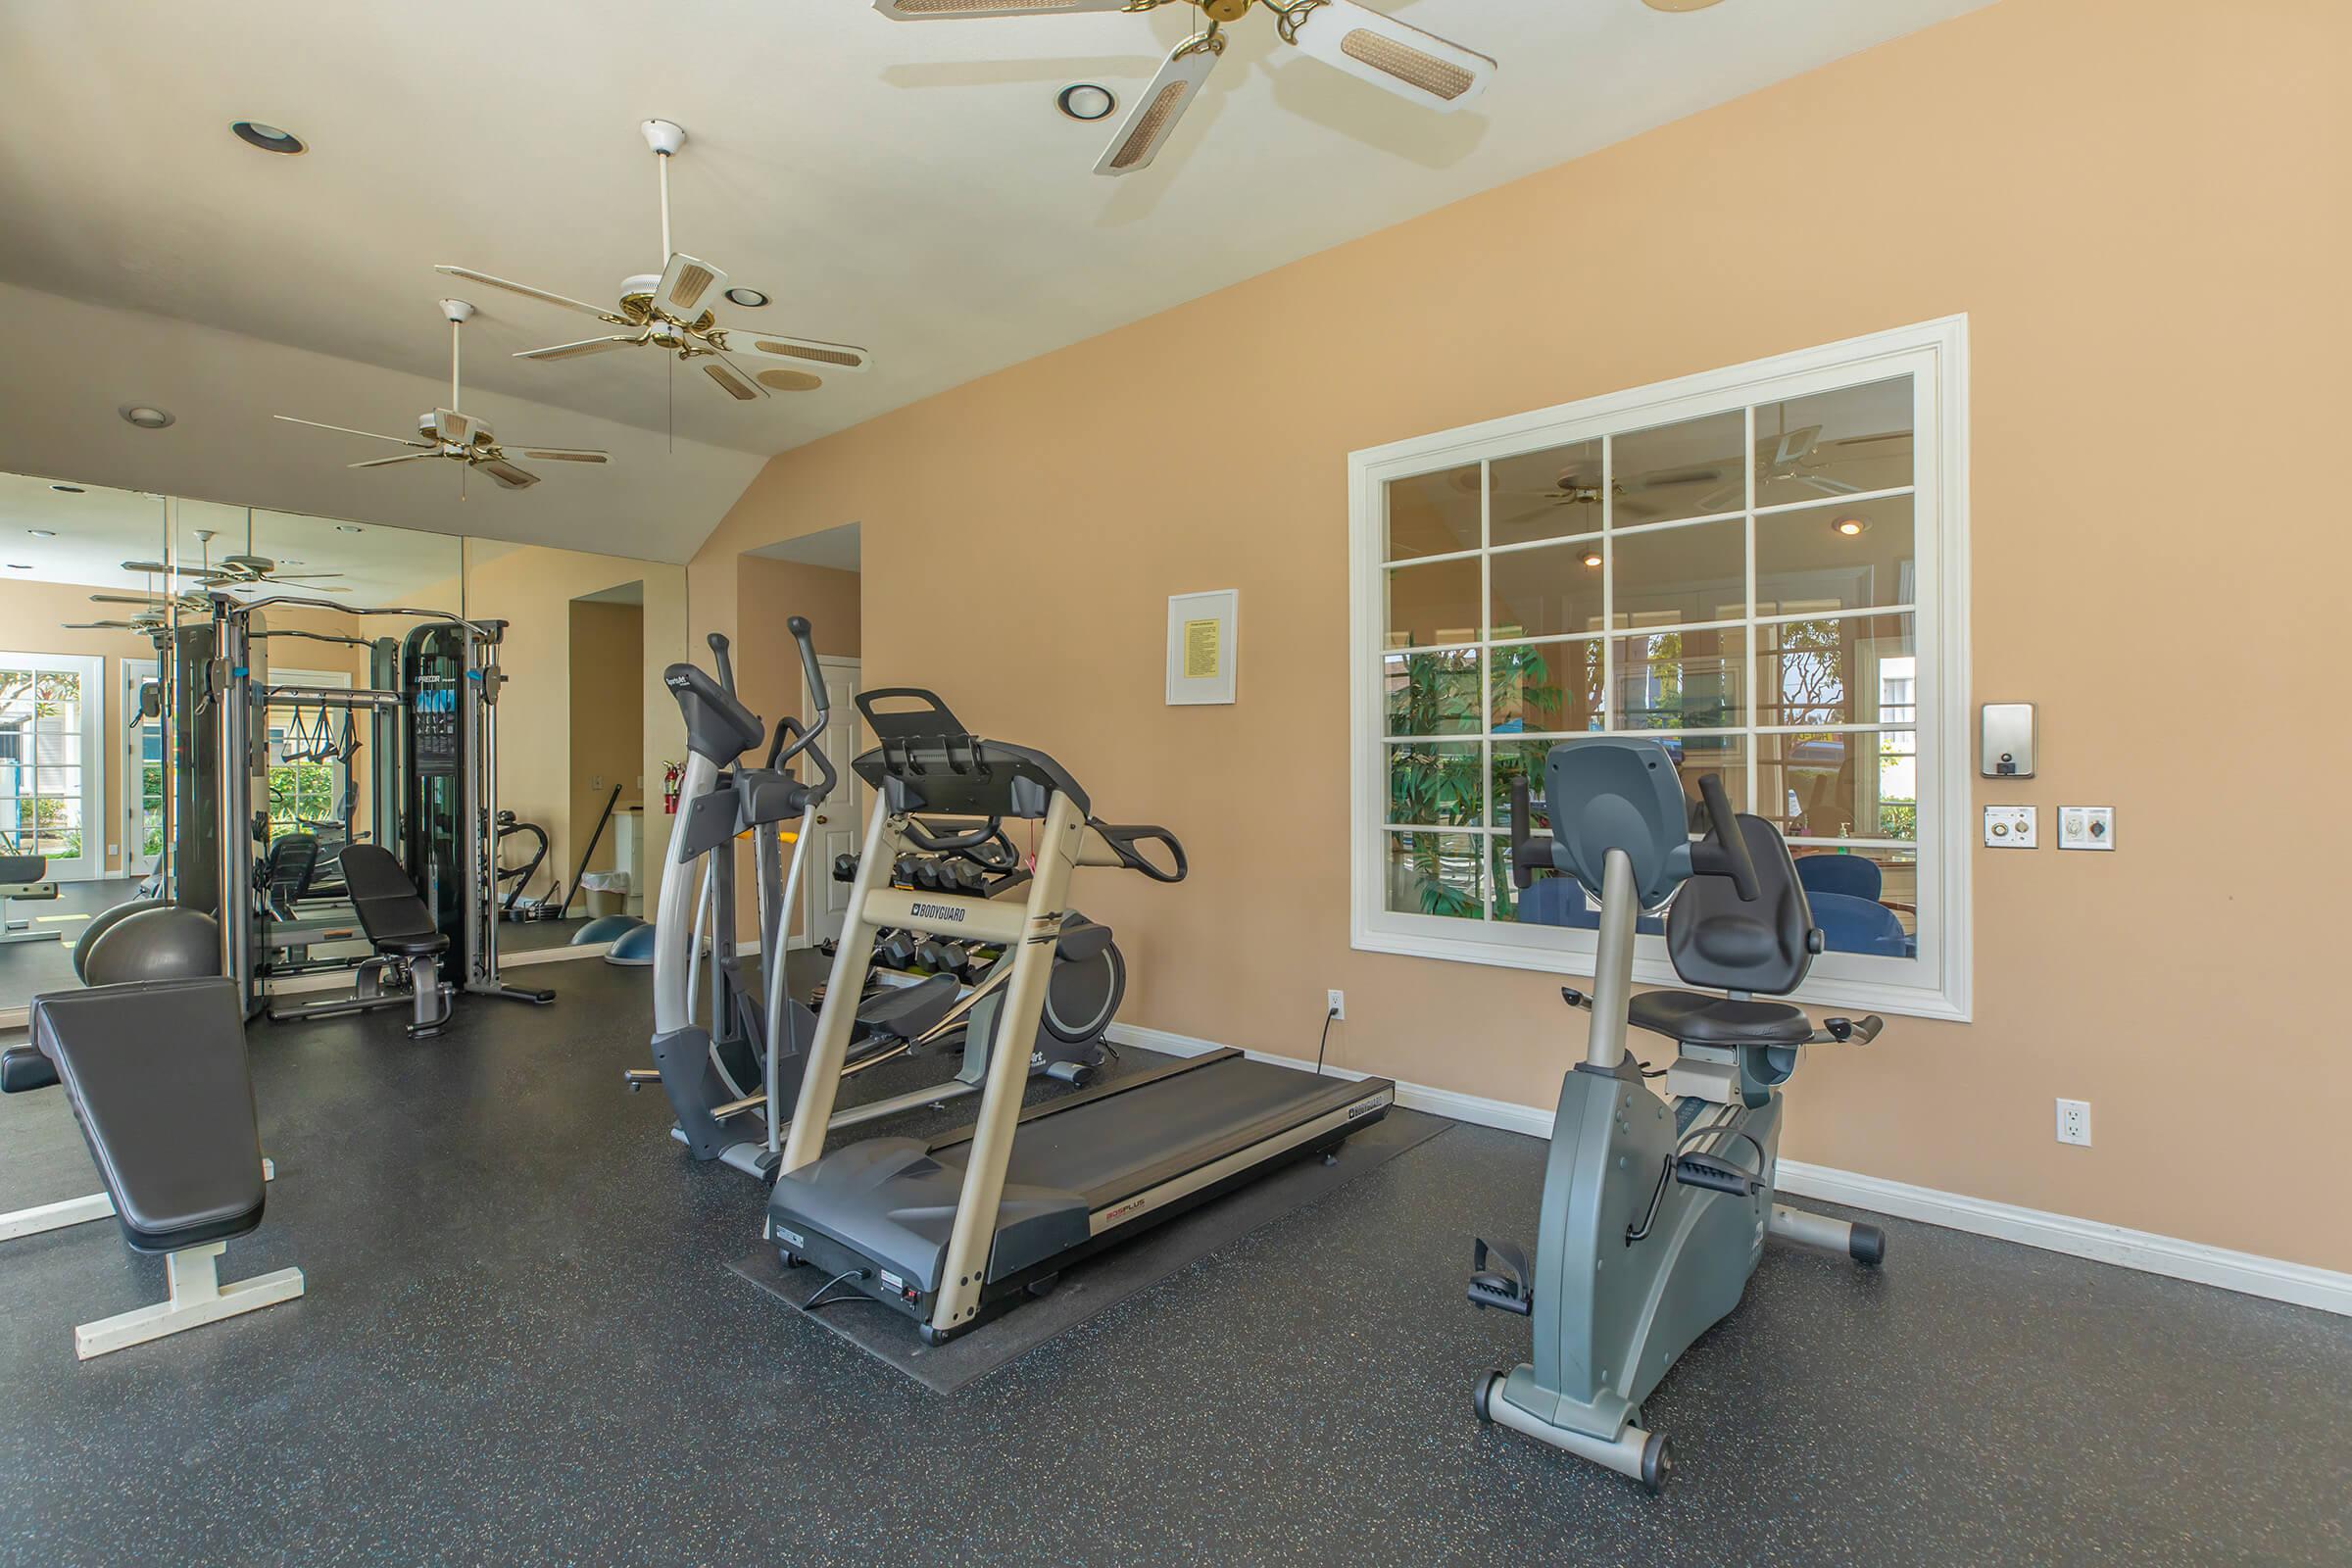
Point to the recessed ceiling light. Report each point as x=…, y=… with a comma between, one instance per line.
x=18, y=565
x=144, y=416
x=1084, y=100
x=42, y=533
x=66, y=489
x=268, y=138
x=349, y=527
x=1592, y=558
x=751, y=299
x=1849, y=526
x=1679, y=5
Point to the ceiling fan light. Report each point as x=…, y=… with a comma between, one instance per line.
x=1593, y=557
x=1387, y=53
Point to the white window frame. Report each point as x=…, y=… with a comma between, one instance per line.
x=136, y=674
x=91, y=864
x=1937, y=984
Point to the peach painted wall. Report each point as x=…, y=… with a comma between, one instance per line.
x=2142, y=210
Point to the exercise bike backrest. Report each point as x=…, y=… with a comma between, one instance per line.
x=1741, y=921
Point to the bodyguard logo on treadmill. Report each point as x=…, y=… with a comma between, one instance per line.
x=935, y=911
x=792, y=1237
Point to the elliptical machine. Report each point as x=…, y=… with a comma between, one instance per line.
x=732, y=1076
x=1655, y=1211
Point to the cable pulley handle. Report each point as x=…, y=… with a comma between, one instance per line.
x=1726, y=841
x=727, y=665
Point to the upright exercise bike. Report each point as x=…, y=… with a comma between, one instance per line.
x=1655, y=1209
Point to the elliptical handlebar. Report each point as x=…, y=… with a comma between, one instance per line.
x=727, y=665
x=792, y=737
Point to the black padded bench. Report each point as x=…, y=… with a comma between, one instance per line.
x=157, y=1075
x=401, y=930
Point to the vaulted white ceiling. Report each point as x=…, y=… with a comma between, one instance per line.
x=906, y=187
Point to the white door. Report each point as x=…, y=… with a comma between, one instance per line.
x=840, y=824
x=142, y=774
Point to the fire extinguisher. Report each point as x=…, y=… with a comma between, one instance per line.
x=673, y=774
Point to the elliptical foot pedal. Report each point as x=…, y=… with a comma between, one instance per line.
x=1506, y=1285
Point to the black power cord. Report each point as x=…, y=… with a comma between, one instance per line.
x=1324, y=1043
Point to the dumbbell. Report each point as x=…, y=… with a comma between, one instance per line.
x=961, y=876
x=945, y=958
x=905, y=869
x=845, y=869
x=898, y=949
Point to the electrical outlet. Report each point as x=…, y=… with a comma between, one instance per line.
x=2074, y=1122
x=2010, y=827
x=1335, y=1004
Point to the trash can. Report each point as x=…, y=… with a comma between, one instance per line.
x=607, y=892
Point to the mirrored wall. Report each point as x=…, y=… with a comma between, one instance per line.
x=108, y=754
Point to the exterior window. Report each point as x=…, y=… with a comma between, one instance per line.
x=51, y=772
x=1761, y=566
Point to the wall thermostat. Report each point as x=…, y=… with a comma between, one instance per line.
x=2007, y=741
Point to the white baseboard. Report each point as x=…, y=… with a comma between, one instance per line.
x=2247, y=1273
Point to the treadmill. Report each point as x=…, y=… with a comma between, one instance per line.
x=954, y=1230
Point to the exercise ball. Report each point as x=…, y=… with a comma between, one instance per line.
x=633, y=948
x=99, y=926
x=162, y=942
x=605, y=928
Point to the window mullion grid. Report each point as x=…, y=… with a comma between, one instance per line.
x=1608, y=584
x=1482, y=842
x=1747, y=462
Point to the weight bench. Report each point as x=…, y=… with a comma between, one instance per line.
x=401, y=930
x=25, y=877
x=157, y=1075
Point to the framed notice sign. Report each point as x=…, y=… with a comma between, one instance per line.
x=1201, y=646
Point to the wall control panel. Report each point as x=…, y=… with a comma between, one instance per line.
x=2010, y=827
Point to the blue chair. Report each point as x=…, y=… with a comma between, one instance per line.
x=1560, y=900
x=1848, y=924
x=1856, y=877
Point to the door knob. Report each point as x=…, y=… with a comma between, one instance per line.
x=820, y=821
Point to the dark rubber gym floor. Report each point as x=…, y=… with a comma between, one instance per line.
x=522, y=1344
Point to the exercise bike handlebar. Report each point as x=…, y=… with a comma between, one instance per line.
x=1724, y=851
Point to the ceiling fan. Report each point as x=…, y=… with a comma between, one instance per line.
x=447, y=433
x=1363, y=42
x=673, y=311
x=1790, y=456
x=1575, y=487
x=246, y=570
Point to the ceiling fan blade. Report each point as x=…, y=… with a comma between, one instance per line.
x=688, y=287
x=776, y=378
x=1386, y=52
x=572, y=351
x=541, y=295
x=1155, y=111
x=1722, y=498
x=406, y=456
x=808, y=350
x=957, y=10
x=101, y=625
x=345, y=429
x=566, y=454
x=143, y=601
x=508, y=475
x=1826, y=485
x=730, y=378
x=302, y=576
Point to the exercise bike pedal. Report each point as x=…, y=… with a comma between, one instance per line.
x=1505, y=1285
x=1716, y=1174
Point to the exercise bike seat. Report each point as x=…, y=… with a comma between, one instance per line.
x=905, y=1013
x=1701, y=1018
x=156, y=1074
